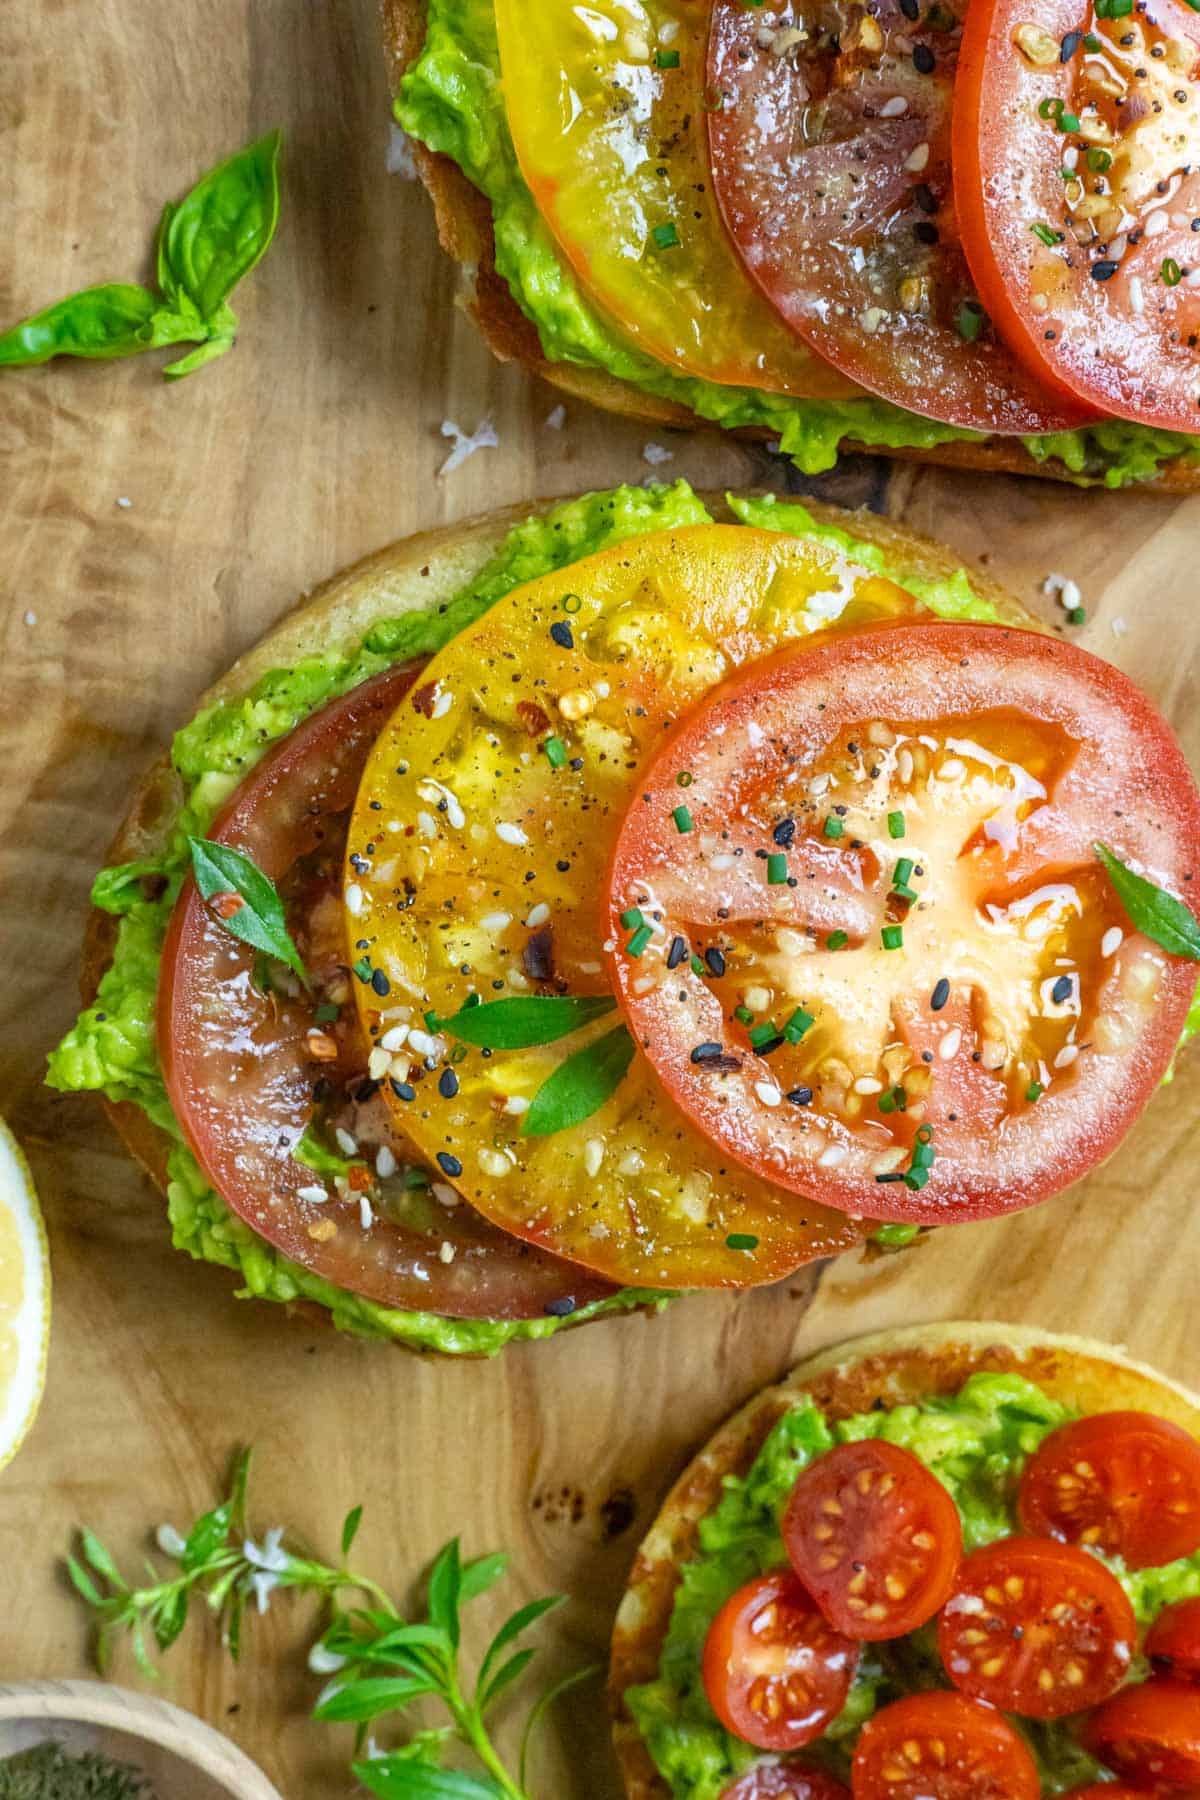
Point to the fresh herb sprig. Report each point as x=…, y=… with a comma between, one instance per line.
x=378, y=1662
x=206, y=245
x=1156, y=914
x=580, y=1086
x=244, y=900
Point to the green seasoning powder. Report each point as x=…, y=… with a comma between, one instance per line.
x=48, y=1772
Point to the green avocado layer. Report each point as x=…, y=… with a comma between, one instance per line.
x=451, y=101
x=976, y=1442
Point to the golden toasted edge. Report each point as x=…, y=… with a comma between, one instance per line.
x=897, y=1367
x=464, y=225
x=414, y=574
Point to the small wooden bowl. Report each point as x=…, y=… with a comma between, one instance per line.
x=181, y=1757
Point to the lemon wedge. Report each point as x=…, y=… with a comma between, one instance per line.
x=24, y=1298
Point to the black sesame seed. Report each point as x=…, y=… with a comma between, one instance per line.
x=784, y=832
x=449, y=1165
x=1069, y=46
x=924, y=61
x=560, y=1309
x=925, y=232
x=1062, y=989
x=447, y=1084
x=715, y=960
x=562, y=635
x=380, y=983
x=1104, y=270
x=402, y=1090
x=940, y=995
x=800, y=1096
x=706, y=1052
x=677, y=952
x=562, y=865
x=366, y=1090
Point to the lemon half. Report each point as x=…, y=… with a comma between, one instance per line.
x=24, y=1297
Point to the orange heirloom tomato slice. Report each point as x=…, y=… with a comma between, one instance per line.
x=830, y=144
x=919, y=997
x=1036, y=1628
x=1077, y=182
x=942, y=1746
x=1151, y=1736
x=1126, y=1483
x=606, y=105
x=482, y=832
x=875, y=1537
x=775, y=1671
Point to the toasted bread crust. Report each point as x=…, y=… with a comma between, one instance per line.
x=464, y=226
x=898, y=1367
x=415, y=574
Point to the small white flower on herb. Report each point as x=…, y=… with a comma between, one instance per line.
x=270, y=1554
x=557, y=419
x=170, y=1542
x=400, y=159
x=1119, y=627
x=466, y=443
x=263, y=1584
x=124, y=502
x=31, y=618
x=655, y=454
x=325, y=1662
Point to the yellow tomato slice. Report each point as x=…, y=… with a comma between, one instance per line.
x=476, y=866
x=606, y=103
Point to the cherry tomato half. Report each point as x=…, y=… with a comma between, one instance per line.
x=1076, y=181
x=875, y=1537
x=786, y=1781
x=775, y=1671
x=1126, y=1483
x=1150, y=1735
x=1037, y=1628
x=1173, y=1641
x=942, y=1746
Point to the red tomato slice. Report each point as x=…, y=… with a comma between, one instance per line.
x=942, y=1746
x=1036, y=1628
x=1122, y=1482
x=1151, y=1736
x=1173, y=1641
x=241, y=1065
x=1092, y=278
x=1106, y=1790
x=831, y=161
x=786, y=1781
x=972, y=991
x=775, y=1672
x=875, y=1537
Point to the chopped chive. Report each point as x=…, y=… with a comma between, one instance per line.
x=903, y=869
x=895, y=1237
x=916, y=1179
x=777, y=872
x=893, y=1100
x=570, y=603
x=1045, y=233
x=684, y=778
x=1098, y=161
x=697, y=966
x=1093, y=43
x=922, y=1156
x=799, y=1023
x=743, y=1015
x=683, y=820
x=1034, y=1091
x=666, y=236
x=555, y=750
x=639, y=940
x=327, y=1012
x=833, y=827
x=893, y=937
x=903, y=892
x=1172, y=274
x=362, y=969
x=632, y=918
x=836, y=940
x=741, y=1240
x=1068, y=121
x=667, y=59
x=968, y=321
x=895, y=824
x=1050, y=108
x=763, y=1034
x=1076, y=616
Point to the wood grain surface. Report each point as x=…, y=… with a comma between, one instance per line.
x=317, y=440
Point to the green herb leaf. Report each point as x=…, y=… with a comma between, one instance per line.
x=580, y=1086
x=207, y=1536
x=515, y=1628
x=214, y=237
x=101, y=1560
x=107, y=321
x=358, y=1702
x=82, y=1582
x=504, y=1677
x=170, y=1618
x=259, y=921
x=481, y=1574
x=445, y=1591
x=350, y=1528
x=1156, y=914
x=400, y=1778
x=519, y=1024
x=538, y=1712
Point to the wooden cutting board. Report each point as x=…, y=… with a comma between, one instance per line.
x=147, y=534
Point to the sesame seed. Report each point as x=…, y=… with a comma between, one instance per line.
x=537, y=916
x=385, y=1162
x=1112, y=940
x=593, y=1156
x=510, y=834
x=316, y=1196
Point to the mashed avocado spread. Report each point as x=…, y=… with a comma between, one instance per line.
x=976, y=1442
x=451, y=101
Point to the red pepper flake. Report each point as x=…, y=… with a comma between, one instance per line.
x=225, y=905
x=359, y=1177
x=424, y=698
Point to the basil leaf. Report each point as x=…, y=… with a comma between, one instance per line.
x=581, y=1085
x=100, y=321
x=259, y=921
x=1157, y=914
x=357, y=1702
x=518, y=1024
x=216, y=235
x=350, y=1528
x=400, y=1778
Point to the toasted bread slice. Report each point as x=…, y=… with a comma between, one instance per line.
x=897, y=1367
x=464, y=226
x=417, y=574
